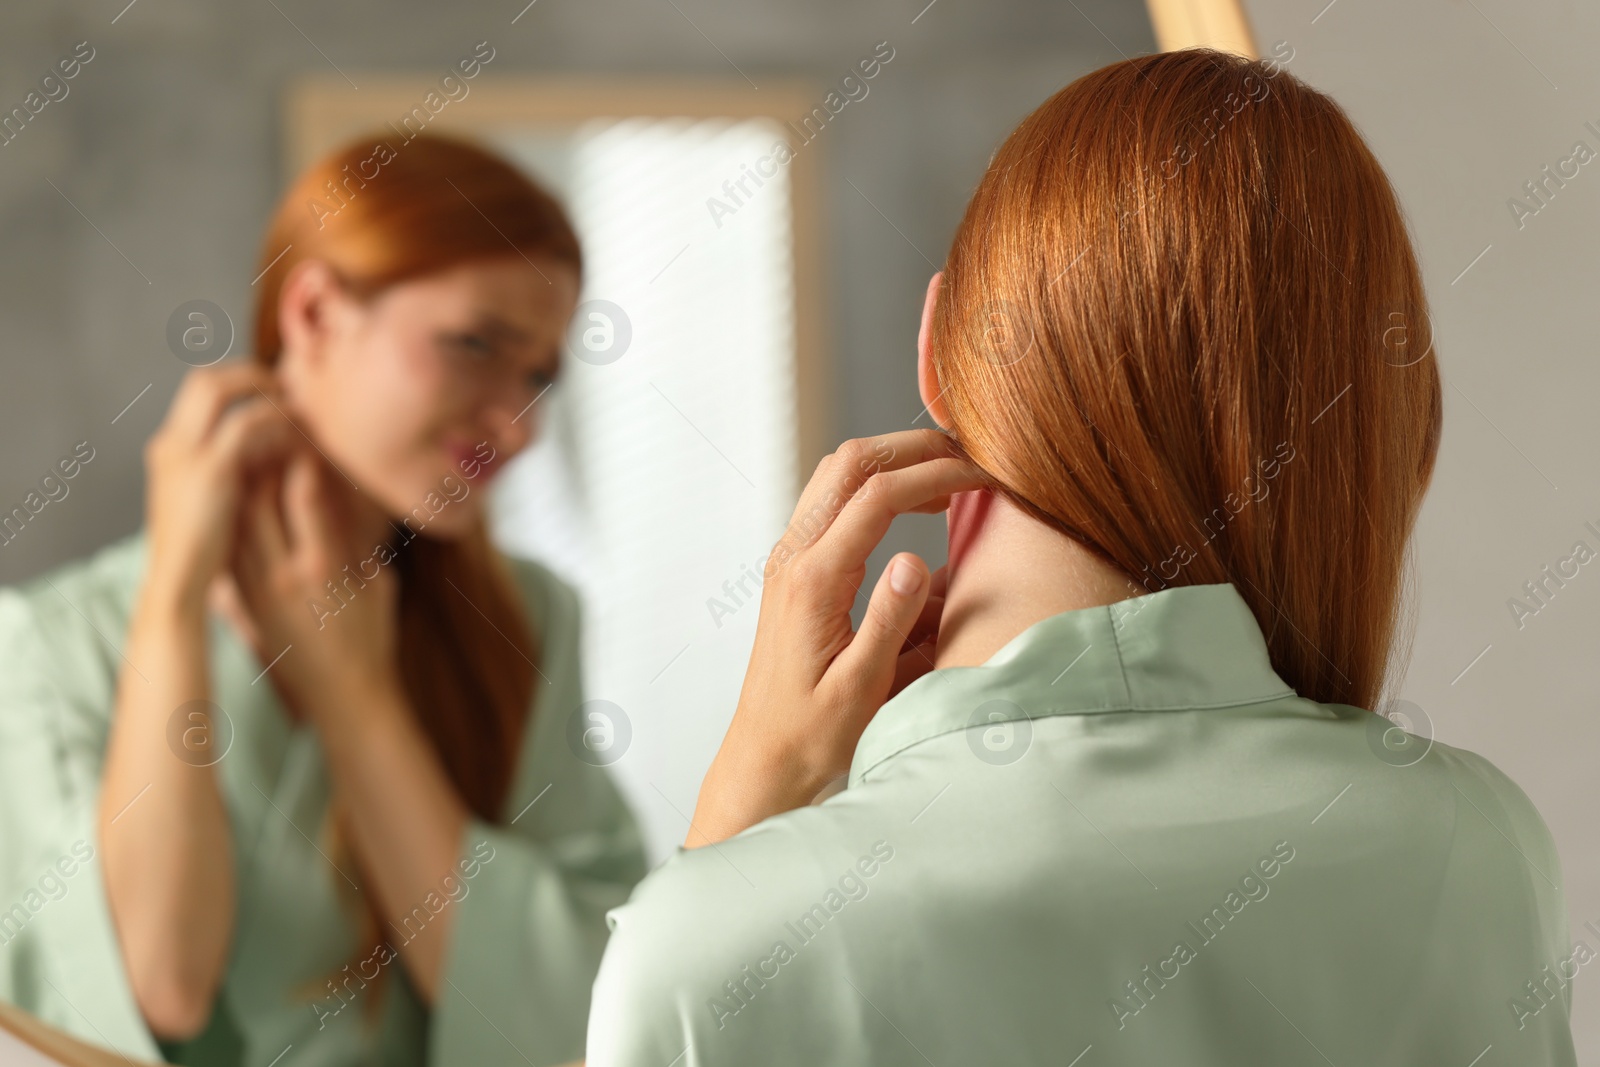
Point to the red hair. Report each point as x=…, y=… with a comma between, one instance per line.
x=1182, y=322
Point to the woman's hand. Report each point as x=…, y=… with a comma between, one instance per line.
x=296, y=535
x=224, y=425
x=813, y=683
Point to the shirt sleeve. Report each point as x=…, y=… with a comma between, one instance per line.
x=702, y=970
x=526, y=943
x=641, y=1014
x=1497, y=799
x=60, y=959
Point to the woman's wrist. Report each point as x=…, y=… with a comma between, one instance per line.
x=171, y=596
x=353, y=701
x=746, y=784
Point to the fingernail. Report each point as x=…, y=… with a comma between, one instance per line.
x=903, y=577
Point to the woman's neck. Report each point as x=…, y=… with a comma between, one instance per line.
x=366, y=522
x=1007, y=571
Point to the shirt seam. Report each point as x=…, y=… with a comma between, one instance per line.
x=1116, y=646
x=1287, y=691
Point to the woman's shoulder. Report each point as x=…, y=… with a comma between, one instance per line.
x=812, y=862
x=705, y=936
x=93, y=593
x=1515, y=854
x=1500, y=835
x=61, y=631
x=1496, y=796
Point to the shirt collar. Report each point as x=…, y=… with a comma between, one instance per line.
x=1185, y=647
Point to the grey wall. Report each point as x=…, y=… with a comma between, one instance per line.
x=1463, y=103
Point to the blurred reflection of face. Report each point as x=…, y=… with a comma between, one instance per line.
x=421, y=394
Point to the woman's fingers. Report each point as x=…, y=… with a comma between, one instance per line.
x=870, y=660
x=922, y=640
x=841, y=474
x=864, y=521
x=269, y=536
x=208, y=391
x=315, y=529
x=813, y=682
x=927, y=624
x=261, y=545
x=251, y=434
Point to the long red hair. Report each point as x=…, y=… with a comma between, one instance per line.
x=381, y=212
x=1182, y=322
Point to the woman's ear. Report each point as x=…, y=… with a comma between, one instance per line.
x=305, y=307
x=927, y=377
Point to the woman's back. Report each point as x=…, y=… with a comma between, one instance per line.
x=1122, y=840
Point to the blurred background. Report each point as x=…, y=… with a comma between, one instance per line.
x=750, y=330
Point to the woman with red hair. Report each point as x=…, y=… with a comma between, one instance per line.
x=1116, y=791
x=303, y=741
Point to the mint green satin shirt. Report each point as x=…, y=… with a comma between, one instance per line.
x=1122, y=840
x=529, y=895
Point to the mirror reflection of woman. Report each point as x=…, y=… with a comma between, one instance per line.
x=309, y=724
